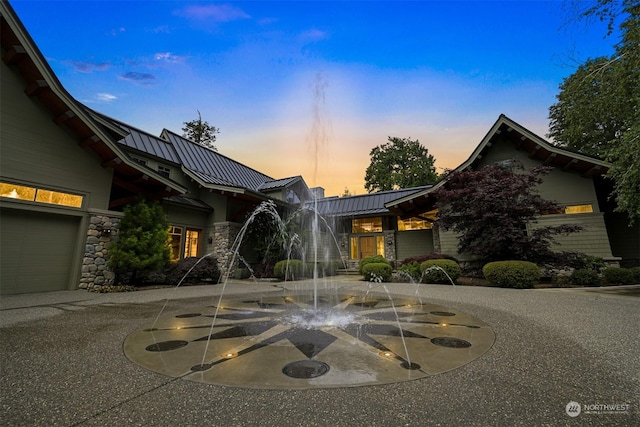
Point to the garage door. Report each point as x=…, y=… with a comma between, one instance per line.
x=36, y=251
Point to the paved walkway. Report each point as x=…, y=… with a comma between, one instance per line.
x=63, y=364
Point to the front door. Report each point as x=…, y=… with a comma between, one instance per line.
x=367, y=246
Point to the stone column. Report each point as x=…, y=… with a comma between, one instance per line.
x=224, y=236
x=101, y=233
x=390, y=246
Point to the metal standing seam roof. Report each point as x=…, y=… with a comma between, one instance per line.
x=142, y=141
x=367, y=204
x=279, y=183
x=214, y=167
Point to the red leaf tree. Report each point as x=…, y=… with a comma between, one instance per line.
x=491, y=208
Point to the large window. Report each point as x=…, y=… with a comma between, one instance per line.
x=578, y=209
x=191, y=243
x=414, y=224
x=175, y=242
x=366, y=225
x=41, y=195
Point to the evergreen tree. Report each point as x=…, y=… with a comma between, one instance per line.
x=201, y=132
x=142, y=245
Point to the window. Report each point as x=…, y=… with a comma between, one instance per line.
x=578, y=209
x=191, y=243
x=366, y=225
x=175, y=242
x=414, y=224
x=380, y=245
x=353, y=246
x=40, y=195
x=139, y=160
x=164, y=171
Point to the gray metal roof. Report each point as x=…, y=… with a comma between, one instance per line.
x=142, y=141
x=215, y=166
x=279, y=183
x=367, y=204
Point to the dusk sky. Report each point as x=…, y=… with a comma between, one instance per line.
x=309, y=88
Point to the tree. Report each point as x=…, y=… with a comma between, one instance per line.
x=491, y=209
x=598, y=108
x=142, y=245
x=201, y=132
x=347, y=193
x=400, y=163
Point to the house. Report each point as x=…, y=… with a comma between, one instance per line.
x=576, y=182
x=66, y=172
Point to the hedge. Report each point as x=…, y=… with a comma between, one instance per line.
x=584, y=277
x=620, y=276
x=512, y=274
x=377, y=270
x=378, y=259
x=293, y=268
x=432, y=273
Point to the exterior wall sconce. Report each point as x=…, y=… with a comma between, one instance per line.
x=106, y=232
x=210, y=240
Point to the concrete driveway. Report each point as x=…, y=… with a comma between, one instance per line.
x=63, y=364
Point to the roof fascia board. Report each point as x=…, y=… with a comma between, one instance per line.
x=219, y=187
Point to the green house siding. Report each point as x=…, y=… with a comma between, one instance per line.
x=413, y=243
x=43, y=244
x=36, y=151
x=592, y=240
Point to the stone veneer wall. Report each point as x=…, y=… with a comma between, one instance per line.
x=101, y=233
x=224, y=236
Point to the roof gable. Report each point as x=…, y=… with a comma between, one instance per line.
x=536, y=147
x=362, y=205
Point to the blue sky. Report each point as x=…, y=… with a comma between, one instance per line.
x=310, y=87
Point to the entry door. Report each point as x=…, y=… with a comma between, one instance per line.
x=367, y=246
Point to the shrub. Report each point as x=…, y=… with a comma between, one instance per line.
x=378, y=259
x=292, y=268
x=377, y=271
x=584, y=277
x=512, y=274
x=204, y=270
x=432, y=273
x=409, y=271
x=635, y=271
x=422, y=258
x=619, y=276
x=325, y=269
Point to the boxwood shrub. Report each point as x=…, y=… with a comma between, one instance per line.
x=375, y=271
x=512, y=274
x=619, y=276
x=584, y=277
x=378, y=259
x=431, y=272
x=293, y=268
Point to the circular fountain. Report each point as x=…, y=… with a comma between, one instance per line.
x=282, y=341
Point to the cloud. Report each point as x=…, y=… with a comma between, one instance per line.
x=89, y=67
x=169, y=57
x=313, y=35
x=106, y=97
x=216, y=13
x=139, y=78
x=116, y=31
x=162, y=29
